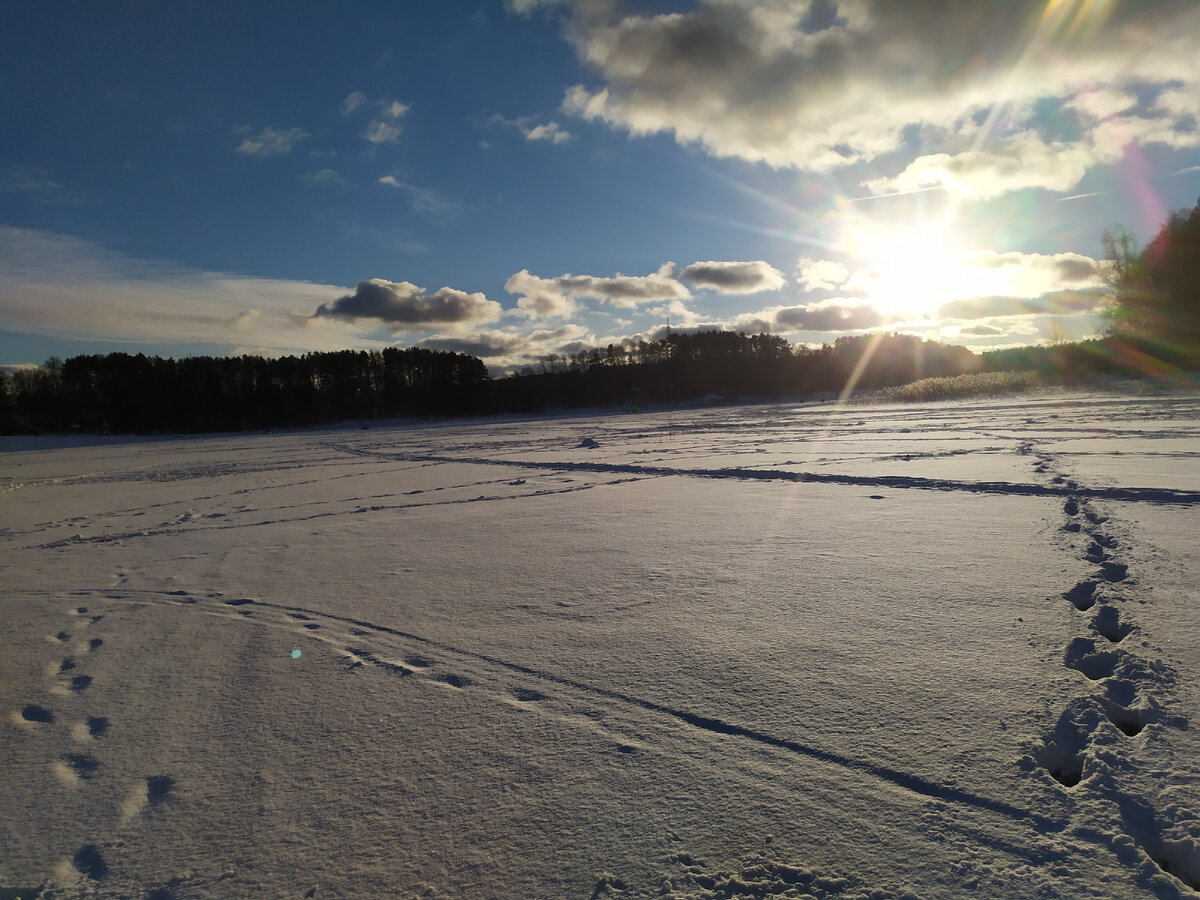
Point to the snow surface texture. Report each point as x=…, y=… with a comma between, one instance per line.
x=919, y=651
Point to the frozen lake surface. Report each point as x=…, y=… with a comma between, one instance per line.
x=766, y=651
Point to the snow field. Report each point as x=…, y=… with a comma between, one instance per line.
x=750, y=651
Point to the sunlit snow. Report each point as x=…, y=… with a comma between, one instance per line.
x=766, y=651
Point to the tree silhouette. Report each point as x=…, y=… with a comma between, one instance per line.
x=1155, y=292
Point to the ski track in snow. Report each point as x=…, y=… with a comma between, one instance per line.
x=1127, y=691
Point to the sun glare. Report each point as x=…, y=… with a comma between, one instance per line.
x=909, y=275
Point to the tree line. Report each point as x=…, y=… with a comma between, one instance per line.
x=122, y=393
x=1152, y=315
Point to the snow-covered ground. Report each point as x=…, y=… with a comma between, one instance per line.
x=773, y=651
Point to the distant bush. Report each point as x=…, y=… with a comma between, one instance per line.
x=983, y=384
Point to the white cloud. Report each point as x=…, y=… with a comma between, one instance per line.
x=63, y=286
x=392, y=109
x=551, y=131
x=403, y=306
x=1063, y=302
x=380, y=132
x=839, y=315
x=761, y=80
x=735, y=277
x=509, y=349
x=271, y=141
x=547, y=131
x=1022, y=161
x=1101, y=104
x=353, y=101
x=540, y=297
x=557, y=296
x=820, y=274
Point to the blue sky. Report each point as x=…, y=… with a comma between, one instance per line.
x=527, y=177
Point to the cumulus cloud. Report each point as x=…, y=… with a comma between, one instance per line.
x=403, y=306
x=828, y=317
x=785, y=83
x=1070, y=302
x=821, y=274
x=838, y=315
x=1022, y=161
x=982, y=330
x=550, y=131
x=1065, y=267
x=557, y=296
x=539, y=297
x=384, y=128
x=392, y=109
x=380, y=132
x=735, y=277
x=509, y=348
x=270, y=141
x=534, y=131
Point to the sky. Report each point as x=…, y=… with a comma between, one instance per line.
x=515, y=178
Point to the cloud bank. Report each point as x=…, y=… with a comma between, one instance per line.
x=821, y=86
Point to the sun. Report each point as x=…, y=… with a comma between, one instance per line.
x=909, y=274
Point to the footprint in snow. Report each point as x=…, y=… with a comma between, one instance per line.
x=1081, y=655
x=1114, y=572
x=89, y=862
x=1107, y=623
x=1082, y=596
x=528, y=695
x=39, y=714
